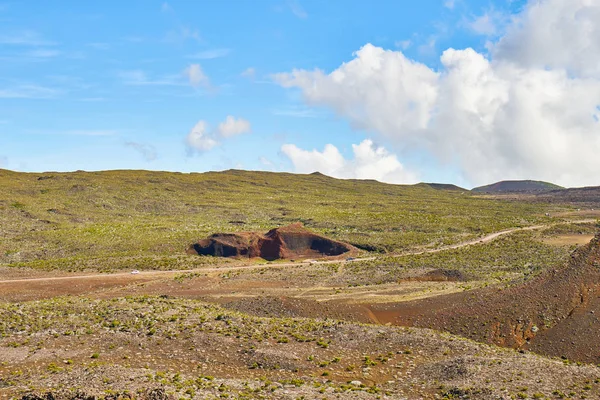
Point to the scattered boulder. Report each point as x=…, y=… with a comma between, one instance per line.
x=149, y=394
x=288, y=242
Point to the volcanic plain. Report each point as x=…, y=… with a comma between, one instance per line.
x=108, y=288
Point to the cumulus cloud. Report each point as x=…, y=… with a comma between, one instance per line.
x=202, y=138
x=557, y=34
x=199, y=138
x=369, y=162
x=196, y=76
x=529, y=109
x=232, y=127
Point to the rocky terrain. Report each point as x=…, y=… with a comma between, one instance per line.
x=99, y=298
x=287, y=242
x=128, y=347
x=554, y=314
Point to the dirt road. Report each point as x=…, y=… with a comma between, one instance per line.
x=148, y=275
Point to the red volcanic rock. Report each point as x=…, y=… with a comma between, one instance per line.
x=292, y=241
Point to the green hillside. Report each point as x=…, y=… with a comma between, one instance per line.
x=123, y=219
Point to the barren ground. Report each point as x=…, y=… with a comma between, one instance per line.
x=74, y=318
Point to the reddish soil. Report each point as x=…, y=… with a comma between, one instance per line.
x=288, y=242
x=555, y=314
x=46, y=288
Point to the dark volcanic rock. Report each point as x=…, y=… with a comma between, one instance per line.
x=288, y=242
x=517, y=186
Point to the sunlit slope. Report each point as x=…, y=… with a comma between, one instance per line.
x=74, y=217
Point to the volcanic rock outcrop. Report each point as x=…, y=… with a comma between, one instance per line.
x=557, y=313
x=288, y=242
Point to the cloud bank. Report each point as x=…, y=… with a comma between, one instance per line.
x=527, y=109
x=369, y=162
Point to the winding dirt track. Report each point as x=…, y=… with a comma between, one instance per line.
x=145, y=275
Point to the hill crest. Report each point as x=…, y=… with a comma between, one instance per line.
x=517, y=186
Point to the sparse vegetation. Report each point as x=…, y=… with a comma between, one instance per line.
x=135, y=334
x=144, y=220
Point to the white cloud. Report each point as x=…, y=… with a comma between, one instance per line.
x=25, y=38
x=369, y=162
x=484, y=25
x=199, y=138
x=449, y=4
x=265, y=161
x=428, y=49
x=140, y=78
x=196, y=75
x=210, y=54
x=297, y=9
x=248, y=73
x=232, y=127
x=42, y=53
x=29, y=91
x=558, y=34
x=529, y=111
x=375, y=82
x=182, y=34
x=403, y=44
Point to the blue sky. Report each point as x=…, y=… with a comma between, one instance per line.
x=120, y=85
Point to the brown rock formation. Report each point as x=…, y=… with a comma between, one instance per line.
x=288, y=242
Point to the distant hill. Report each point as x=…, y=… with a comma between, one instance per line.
x=585, y=196
x=517, y=186
x=445, y=186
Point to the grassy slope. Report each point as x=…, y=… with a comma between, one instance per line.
x=124, y=219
